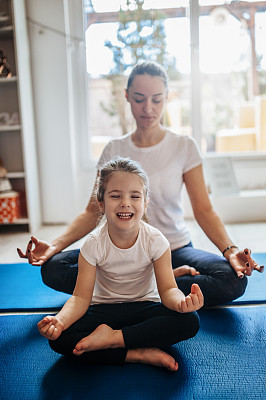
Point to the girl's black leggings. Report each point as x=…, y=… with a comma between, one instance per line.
x=143, y=324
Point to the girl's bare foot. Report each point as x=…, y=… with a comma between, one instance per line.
x=103, y=337
x=152, y=356
x=185, y=270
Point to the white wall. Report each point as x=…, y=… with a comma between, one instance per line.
x=59, y=92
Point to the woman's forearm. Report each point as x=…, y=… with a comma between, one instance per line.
x=81, y=226
x=204, y=213
x=213, y=227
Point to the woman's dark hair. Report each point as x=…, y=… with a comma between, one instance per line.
x=150, y=68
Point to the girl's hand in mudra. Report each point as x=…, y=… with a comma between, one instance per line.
x=50, y=327
x=193, y=302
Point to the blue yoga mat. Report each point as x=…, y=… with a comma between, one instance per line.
x=21, y=288
x=225, y=361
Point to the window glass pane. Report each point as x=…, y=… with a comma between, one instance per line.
x=233, y=74
x=109, y=113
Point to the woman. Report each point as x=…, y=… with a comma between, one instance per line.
x=169, y=160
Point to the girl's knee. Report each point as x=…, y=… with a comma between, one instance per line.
x=190, y=325
x=193, y=324
x=55, y=346
x=62, y=346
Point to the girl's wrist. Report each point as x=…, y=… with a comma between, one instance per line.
x=61, y=321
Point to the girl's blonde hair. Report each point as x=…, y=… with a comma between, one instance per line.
x=120, y=164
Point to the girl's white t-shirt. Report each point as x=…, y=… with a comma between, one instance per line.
x=165, y=163
x=124, y=275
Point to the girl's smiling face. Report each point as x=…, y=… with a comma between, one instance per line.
x=147, y=96
x=124, y=203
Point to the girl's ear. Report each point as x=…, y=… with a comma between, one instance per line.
x=144, y=216
x=101, y=206
x=146, y=205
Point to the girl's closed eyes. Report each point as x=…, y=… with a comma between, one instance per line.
x=133, y=196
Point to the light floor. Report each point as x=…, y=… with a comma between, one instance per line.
x=251, y=235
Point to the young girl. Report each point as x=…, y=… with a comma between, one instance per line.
x=116, y=314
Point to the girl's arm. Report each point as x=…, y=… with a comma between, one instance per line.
x=75, y=307
x=172, y=297
x=212, y=225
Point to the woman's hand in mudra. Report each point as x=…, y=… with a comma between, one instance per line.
x=243, y=263
x=37, y=251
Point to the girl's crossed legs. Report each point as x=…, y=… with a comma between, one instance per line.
x=143, y=326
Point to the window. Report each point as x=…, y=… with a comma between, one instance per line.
x=233, y=71
x=230, y=86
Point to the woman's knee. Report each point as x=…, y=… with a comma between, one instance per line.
x=60, y=271
x=47, y=272
x=50, y=270
x=238, y=286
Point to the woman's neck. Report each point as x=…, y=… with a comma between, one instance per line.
x=148, y=138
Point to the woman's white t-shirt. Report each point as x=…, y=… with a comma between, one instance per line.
x=124, y=275
x=165, y=163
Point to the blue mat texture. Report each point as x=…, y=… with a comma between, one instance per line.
x=226, y=361
x=21, y=288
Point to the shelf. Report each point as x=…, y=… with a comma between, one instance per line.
x=6, y=31
x=19, y=221
x=4, y=18
x=15, y=175
x=9, y=128
x=17, y=133
x=6, y=81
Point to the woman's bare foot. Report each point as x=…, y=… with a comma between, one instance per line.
x=185, y=270
x=152, y=356
x=103, y=337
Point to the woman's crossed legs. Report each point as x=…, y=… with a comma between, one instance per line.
x=217, y=280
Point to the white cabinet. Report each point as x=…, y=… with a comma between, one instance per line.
x=17, y=130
